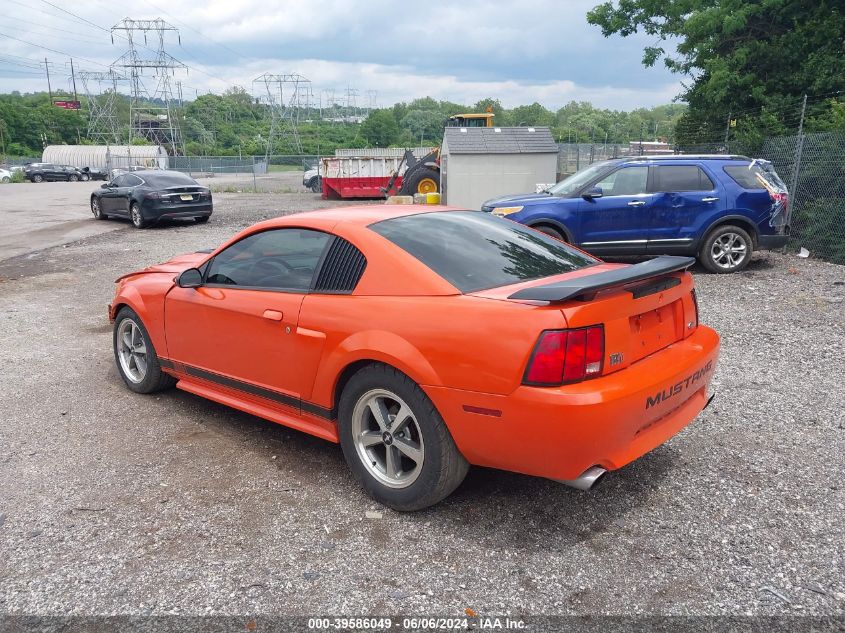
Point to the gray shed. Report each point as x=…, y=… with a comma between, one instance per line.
x=481, y=163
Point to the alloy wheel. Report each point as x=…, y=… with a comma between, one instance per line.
x=387, y=438
x=132, y=350
x=729, y=250
x=95, y=208
x=136, y=215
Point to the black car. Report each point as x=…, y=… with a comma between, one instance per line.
x=94, y=173
x=41, y=172
x=146, y=197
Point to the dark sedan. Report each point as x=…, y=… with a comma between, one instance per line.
x=41, y=172
x=145, y=197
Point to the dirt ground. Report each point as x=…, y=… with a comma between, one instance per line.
x=117, y=503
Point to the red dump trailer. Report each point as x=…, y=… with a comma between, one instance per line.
x=363, y=173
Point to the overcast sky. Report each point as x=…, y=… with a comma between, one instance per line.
x=517, y=52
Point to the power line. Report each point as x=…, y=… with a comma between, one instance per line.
x=52, y=50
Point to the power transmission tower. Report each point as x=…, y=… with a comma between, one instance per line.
x=372, y=100
x=152, y=111
x=351, y=104
x=284, y=115
x=329, y=104
x=103, y=121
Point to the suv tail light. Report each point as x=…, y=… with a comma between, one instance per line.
x=780, y=197
x=153, y=195
x=566, y=356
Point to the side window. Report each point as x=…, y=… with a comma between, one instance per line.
x=283, y=259
x=120, y=181
x=672, y=178
x=628, y=181
x=131, y=180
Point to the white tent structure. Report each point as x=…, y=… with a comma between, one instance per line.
x=107, y=156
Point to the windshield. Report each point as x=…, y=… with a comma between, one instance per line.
x=577, y=181
x=475, y=251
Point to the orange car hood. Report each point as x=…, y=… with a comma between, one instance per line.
x=175, y=265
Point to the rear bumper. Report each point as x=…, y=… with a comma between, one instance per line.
x=171, y=211
x=561, y=432
x=769, y=242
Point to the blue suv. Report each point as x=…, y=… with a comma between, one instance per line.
x=717, y=208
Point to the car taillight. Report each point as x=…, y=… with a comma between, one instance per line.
x=695, y=303
x=565, y=356
x=778, y=198
x=152, y=195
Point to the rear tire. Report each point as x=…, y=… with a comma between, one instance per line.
x=422, y=180
x=38, y=178
x=135, y=215
x=726, y=249
x=85, y=178
x=316, y=184
x=136, y=358
x=73, y=178
x=413, y=469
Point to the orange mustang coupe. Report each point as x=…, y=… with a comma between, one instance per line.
x=426, y=339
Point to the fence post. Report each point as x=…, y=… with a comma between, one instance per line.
x=796, y=167
x=254, y=183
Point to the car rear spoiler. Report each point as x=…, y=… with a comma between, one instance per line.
x=586, y=286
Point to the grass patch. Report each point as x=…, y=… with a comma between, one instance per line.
x=236, y=189
x=284, y=168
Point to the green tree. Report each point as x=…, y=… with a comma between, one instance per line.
x=753, y=60
x=380, y=129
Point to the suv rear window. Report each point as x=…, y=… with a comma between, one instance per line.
x=475, y=251
x=669, y=178
x=755, y=176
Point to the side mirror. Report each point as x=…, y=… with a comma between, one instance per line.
x=105, y=185
x=191, y=278
x=591, y=194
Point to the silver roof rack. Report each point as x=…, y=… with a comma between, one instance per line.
x=686, y=157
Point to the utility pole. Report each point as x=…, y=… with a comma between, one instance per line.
x=727, y=130
x=796, y=168
x=49, y=87
x=73, y=77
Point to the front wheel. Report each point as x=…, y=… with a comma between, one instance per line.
x=727, y=249
x=315, y=184
x=38, y=178
x=96, y=210
x=135, y=355
x=395, y=441
x=72, y=178
x=551, y=232
x=85, y=178
x=422, y=180
x=135, y=214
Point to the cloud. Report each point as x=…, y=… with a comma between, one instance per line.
x=535, y=50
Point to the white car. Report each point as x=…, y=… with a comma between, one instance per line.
x=5, y=176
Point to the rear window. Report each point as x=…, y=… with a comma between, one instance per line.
x=475, y=251
x=669, y=178
x=167, y=178
x=756, y=175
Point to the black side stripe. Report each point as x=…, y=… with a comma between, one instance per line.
x=255, y=390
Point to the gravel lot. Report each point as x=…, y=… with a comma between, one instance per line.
x=116, y=503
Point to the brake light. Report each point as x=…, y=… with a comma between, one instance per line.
x=153, y=195
x=566, y=356
x=779, y=198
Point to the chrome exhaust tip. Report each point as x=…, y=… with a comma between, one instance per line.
x=585, y=480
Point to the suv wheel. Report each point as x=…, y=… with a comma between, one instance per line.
x=395, y=441
x=727, y=249
x=38, y=178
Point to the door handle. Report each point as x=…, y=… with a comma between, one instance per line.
x=273, y=315
x=709, y=199
x=636, y=203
